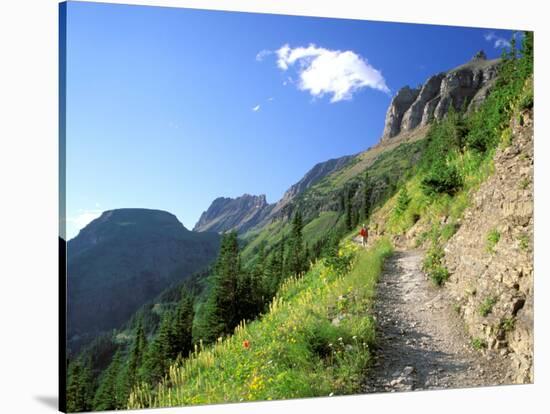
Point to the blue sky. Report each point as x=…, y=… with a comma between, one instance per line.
x=170, y=108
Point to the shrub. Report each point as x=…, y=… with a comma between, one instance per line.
x=508, y=324
x=524, y=242
x=487, y=306
x=492, y=239
x=448, y=231
x=439, y=275
x=506, y=137
x=433, y=257
x=442, y=178
x=524, y=183
x=421, y=238
x=433, y=266
x=403, y=201
x=321, y=336
x=486, y=125
x=479, y=343
x=526, y=100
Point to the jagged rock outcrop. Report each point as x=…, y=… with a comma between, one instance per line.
x=239, y=214
x=316, y=174
x=248, y=211
x=415, y=114
x=468, y=85
x=319, y=171
x=491, y=256
x=401, y=102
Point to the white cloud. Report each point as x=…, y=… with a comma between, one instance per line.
x=270, y=99
x=256, y=108
x=263, y=54
x=322, y=71
x=499, y=42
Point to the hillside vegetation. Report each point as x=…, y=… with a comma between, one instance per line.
x=302, y=286
x=314, y=341
x=457, y=157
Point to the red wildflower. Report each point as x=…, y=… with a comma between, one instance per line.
x=246, y=344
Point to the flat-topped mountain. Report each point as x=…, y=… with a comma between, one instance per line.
x=123, y=259
x=467, y=85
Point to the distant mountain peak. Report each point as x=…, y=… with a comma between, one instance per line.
x=137, y=215
x=248, y=211
x=467, y=84
x=480, y=56
x=124, y=258
x=240, y=214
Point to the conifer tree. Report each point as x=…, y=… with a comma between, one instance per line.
x=108, y=395
x=182, y=327
x=260, y=277
x=526, y=64
x=349, y=219
x=366, y=195
x=296, y=263
x=354, y=217
x=222, y=305
x=157, y=359
x=308, y=255
x=130, y=376
x=247, y=300
x=403, y=201
x=274, y=273
x=79, y=386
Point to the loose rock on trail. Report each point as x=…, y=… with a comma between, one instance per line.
x=421, y=343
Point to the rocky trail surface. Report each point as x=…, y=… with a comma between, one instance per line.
x=421, y=342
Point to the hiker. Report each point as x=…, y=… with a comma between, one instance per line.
x=364, y=233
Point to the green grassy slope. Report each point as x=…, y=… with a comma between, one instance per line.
x=387, y=166
x=314, y=341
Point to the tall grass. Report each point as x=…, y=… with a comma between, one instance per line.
x=314, y=341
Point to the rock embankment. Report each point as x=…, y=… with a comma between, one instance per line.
x=491, y=256
x=421, y=343
x=468, y=85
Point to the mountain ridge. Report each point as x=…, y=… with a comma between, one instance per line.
x=249, y=211
x=240, y=213
x=467, y=84
x=407, y=118
x=137, y=250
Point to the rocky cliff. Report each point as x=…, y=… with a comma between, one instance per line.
x=491, y=256
x=316, y=174
x=283, y=208
x=248, y=211
x=466, y=85
x=239, y=214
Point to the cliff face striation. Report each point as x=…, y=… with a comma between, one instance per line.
x=466, y=85
x=248, y=211
x=239, y=214
x=491, y=256
x=283, y=208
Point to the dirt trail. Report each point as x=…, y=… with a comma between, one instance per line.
x=421, y=343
